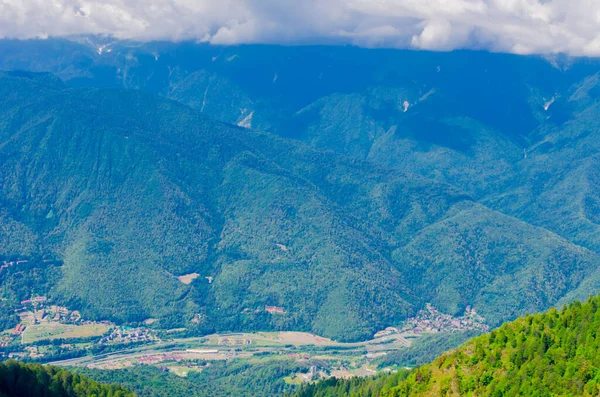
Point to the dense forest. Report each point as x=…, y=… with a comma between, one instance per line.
x=549, y=354
x=318, y=178
x=35, y=380
x=346, y=245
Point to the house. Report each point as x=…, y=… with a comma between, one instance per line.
x=379, y=334
x=275, y=309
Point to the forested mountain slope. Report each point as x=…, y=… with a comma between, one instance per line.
x=34, y=380
x=515, y=132
x=553, y=353
x=130, y=191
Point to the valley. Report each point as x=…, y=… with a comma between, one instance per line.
x=58, y=336
x=261, y=217
x=301, y=198
x=45, y=329
x=350, y=359
x=315, y=357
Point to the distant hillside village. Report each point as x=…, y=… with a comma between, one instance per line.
x=431, y=320
x=39, y=320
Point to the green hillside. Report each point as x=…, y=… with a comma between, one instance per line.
x=35, y=380
x=130, y=191
x=549, y=354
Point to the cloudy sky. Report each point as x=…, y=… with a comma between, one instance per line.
x=518, y=26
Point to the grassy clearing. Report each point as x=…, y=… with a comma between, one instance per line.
x=294, y=379
x=184, y=371
x=50, y=331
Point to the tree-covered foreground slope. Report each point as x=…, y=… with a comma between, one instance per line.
x=130, y=191
x=35, y=380
x=549, y=354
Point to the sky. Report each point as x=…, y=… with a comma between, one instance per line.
x=515, y=26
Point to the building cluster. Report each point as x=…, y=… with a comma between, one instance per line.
x=431, y=320
x=35, y=301
x=197, y=318
x=38, y=310
x=225, y=340
x=61, y=313
x=33, y=352
x=7, y=264
x=275, y=309
x=5, y=340
x=19, y=329
x=153, y=359
x=128, y=335
x=35, y=311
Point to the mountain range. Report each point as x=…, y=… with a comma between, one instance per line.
x=347, y=186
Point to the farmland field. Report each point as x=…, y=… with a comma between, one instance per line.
x=51, y=331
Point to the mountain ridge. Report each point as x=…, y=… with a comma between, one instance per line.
x=132, y=189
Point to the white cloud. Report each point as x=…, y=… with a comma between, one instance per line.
x=520, y=26
x=435, y=35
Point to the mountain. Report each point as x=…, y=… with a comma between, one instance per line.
x=131, y=191
x=553, y=353
x=359, y=186
x=470, y=119
x=34, y=380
